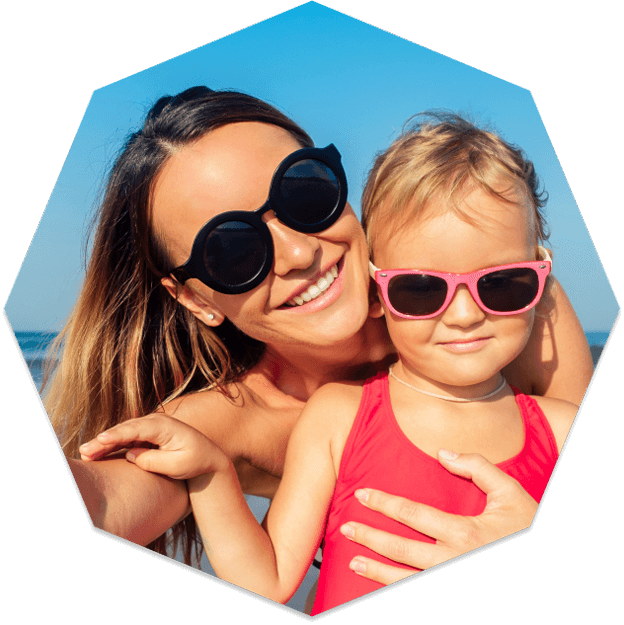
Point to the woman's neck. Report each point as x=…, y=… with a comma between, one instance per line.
x=298, y=371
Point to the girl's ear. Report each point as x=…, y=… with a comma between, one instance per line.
x=375, y=309
x=201, y=306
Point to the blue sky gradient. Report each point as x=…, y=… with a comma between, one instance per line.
x=346, y=83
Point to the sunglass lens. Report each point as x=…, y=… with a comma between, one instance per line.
x=311, y=192
x=417, y=294
x=234, y=253
x=508, y=290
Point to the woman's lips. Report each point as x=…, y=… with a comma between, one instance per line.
x=319, y=294
x=315, y=290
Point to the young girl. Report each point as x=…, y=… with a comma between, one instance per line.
x=454, y=229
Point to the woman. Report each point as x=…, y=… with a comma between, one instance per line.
x=167, y=325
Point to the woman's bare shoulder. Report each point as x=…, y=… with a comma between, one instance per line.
x=218, y=414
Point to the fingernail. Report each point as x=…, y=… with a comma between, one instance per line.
x=357, y=565
x=348, y=530
x=103, y=435
x=361, y=495
x=448, y=455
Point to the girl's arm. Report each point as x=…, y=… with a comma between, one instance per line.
x=272, y=560
x=240, y=550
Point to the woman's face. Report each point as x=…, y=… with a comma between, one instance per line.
x=231, y=169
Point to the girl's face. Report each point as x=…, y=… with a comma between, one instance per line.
x=463, y=345
x=231, y=169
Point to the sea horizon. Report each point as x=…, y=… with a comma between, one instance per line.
x=34, y=345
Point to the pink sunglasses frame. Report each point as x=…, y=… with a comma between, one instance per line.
x=542, y=267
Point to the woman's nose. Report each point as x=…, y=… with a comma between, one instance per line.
x=463, y=311
x=293, y=250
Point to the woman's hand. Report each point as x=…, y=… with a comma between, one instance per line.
x=509, y=509
x=177, y=450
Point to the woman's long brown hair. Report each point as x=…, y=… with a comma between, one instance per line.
x=128, y=347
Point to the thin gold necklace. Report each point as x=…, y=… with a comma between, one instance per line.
x=446, y=397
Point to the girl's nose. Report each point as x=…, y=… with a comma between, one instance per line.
x=463, y=311
x=293, y=250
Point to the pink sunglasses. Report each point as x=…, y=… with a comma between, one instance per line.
x=503, y=290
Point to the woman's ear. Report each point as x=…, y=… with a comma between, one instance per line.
x=201, y=306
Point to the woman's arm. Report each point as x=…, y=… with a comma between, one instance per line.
x=556, y=361
x=128, y=502
x=131, y=503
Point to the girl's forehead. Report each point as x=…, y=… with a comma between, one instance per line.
x=481, y=230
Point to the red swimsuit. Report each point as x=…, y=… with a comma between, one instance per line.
x=378, y=455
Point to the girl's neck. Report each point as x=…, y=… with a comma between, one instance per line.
x=298, y=371
x=411, y=379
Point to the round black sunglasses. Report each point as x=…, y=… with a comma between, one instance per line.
x=233, y=252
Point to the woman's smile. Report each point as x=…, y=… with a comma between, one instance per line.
x=319, y=292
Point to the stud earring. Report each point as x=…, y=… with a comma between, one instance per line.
x=211, y=316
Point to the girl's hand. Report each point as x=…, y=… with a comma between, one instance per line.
x=509, y=509
x=181, y=452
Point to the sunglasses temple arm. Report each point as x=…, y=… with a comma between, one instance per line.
x=544, y=254
x=181, y=275
x=372, y=269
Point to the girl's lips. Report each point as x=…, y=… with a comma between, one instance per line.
x=466, y=345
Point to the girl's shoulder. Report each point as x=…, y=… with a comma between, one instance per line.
x=334, y=406
x=560, y=415
x=338, y=395
x=328, y=417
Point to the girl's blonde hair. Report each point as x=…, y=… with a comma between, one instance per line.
x=440, y=155
x=128, y=346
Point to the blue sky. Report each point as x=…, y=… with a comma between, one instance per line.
x=345, y=82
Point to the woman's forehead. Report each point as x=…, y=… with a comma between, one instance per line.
x=228, y=169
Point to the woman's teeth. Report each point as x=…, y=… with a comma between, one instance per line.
x=316, y=289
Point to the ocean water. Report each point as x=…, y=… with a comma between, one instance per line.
x=35, y=347
x=597, y=338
